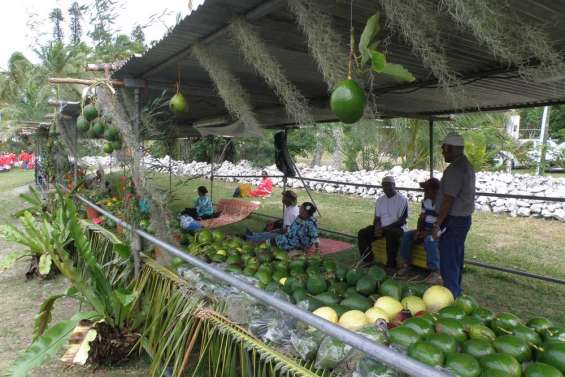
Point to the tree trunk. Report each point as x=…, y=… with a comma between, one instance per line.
x=337, y=156
x=317, y=158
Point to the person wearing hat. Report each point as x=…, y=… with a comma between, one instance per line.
x=302, y=234
x=391, y=212
x=455, y=203
x=423, y=233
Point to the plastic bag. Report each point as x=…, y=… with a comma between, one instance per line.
x=188, y=223
x=306, y=343
x=270, y=325
x=370, y=368
x=331, y=352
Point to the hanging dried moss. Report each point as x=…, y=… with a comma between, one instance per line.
x=325, y=44
x=233, y=94
x=121, y=109
x=497, y=27
x=256, y=54
x=417, y=23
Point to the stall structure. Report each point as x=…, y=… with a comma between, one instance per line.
x=246, y=66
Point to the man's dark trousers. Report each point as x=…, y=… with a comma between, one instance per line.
x=452, y=252
x=392, y=236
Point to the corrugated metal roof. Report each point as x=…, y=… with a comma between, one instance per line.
x=488, y=85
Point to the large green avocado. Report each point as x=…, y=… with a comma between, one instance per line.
x=90, y=112
x=539, y=324
x=444, y=342
x=453, y=312
x=553, y=354
x=477, y=348
x=502, y=363
x=467, y=303
x=451, y=327
x=527, y=334
x=392, y=288
x=542, y=370
x=503, y=323
x=513, y=346
x=376, y=273
x=462, y=365
x=419, y=325
x=426, y=353
x=366, y=285
x=327, y=298
x=316, y=284
x=403, y=336
x=348, y=101
x=82, y=124
x=352, y=276
x=357, y=302
x=481, y=332
x=484, y=315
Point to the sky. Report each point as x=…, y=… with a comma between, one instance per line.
x=21, y=17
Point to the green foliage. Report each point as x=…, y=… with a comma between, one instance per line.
x=43, y=318
x=368, y=48
x=46, y=346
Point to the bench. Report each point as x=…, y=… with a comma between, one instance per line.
x=418, y=254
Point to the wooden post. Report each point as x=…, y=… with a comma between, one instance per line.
x=431, y=146
x=136, y=239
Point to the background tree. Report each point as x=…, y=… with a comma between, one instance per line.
x=103, y=17
x=56, y=17
x=75, y=22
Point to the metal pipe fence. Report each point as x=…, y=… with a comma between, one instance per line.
x=365, y=185
x=376, y=351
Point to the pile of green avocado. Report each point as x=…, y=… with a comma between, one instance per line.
x=463, y=338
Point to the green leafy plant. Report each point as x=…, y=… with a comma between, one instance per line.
x=112, y=313
x=368, y=44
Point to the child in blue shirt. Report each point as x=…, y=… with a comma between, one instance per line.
x=203, y=208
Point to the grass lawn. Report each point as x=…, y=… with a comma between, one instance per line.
x=20, y=299
x=533, y=245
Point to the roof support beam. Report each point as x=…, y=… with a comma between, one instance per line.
x=258, y=12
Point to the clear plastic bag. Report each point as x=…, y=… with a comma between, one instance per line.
x=270, y=325
x=368, y=367
x=331, y=353
x=306, y=343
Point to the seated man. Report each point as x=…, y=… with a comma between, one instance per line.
x=391, y=212
x=265, y=188
x=423, y=233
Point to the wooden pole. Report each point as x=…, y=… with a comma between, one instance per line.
x=431, y=146
x=72, y=80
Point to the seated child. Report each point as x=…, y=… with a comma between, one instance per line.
x=202, y=207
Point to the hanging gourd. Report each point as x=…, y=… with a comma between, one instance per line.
x=177, y=103
x=348, y=98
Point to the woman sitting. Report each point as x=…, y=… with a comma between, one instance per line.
x=290, y=214
x=265, y=188
x=302, y=234
x=202, y=207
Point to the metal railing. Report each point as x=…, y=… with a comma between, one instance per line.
x=366, y=185
x=374, y=350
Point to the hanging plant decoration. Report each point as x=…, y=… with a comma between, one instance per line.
x=368, y=45
x=178, y=104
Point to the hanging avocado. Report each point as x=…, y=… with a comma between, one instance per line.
x=348, y=101
x=82, y=124
x=108, y=148
x=111, y=134
x=116, y=145
x=177, y=104
x=98, y=127
x=90, y=112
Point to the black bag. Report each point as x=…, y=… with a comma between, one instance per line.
x=282, y=157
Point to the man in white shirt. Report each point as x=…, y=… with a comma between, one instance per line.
x=290, y=213
x=391, y=212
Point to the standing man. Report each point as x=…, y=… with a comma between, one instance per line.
x=391, y=212
x=456, y=203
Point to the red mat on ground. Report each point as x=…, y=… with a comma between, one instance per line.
x=231, y=211
x=329, y=246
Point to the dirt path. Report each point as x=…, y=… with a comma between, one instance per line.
x=20, y=300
